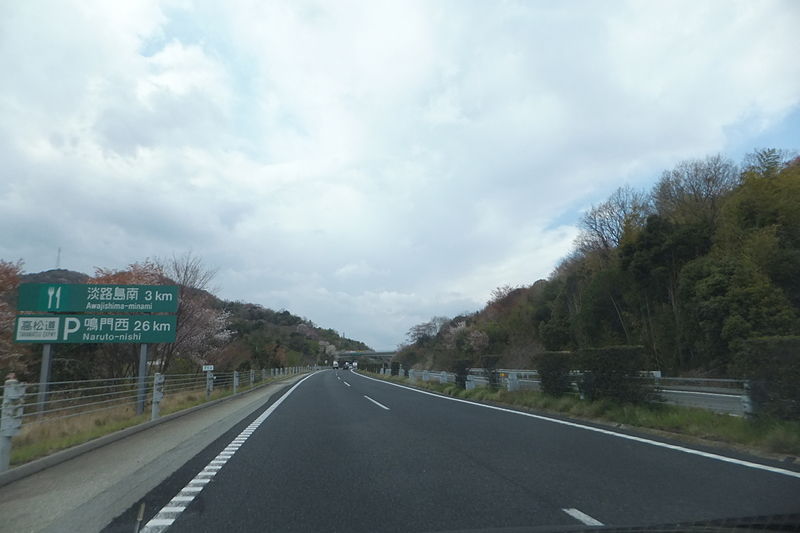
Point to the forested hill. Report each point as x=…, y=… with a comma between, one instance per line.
x=706, y=259
x=266, y=338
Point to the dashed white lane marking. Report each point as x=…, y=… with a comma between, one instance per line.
x=707, y=455
x=346, y=383
x=170, y=512
x=379, y=404
x=582, y=517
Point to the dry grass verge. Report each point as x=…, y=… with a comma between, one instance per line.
x=41, y=438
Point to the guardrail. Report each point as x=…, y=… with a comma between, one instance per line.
x=24, y=410
x=727, y=396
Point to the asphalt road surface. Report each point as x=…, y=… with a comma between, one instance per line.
x=344, y=452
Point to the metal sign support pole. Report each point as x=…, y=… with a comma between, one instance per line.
x=44, y=377
x=141, y=384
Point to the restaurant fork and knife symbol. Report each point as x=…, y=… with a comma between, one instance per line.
x=53, y=291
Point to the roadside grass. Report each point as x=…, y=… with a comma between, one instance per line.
x=758, y=434
x=41, y=438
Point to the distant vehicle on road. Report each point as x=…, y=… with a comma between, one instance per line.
x=336, y=365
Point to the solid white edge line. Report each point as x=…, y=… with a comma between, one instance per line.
x=701, y=393
x=379, y=404
x=707, y=455
x=159, y=523
x=582, y=517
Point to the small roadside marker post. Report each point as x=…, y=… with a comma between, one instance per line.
x=158, y=395
x=10, y=418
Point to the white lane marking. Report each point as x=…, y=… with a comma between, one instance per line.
x=379, y=404
x=701, y=393
x=346, y=383
x=582, y=517
x=160, y=522
x=707, y=455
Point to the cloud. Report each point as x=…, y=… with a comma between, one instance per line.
x=365, y=164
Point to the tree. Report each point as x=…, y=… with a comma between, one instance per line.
x=202, y=328
x=9, y=281
x=761, y=221
x=654, y=260
x=424, y=333
x=766, y=162
x=725, y=300
x=693, y=191
x=604, y=225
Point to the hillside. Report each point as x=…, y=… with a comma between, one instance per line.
x=262, y=337
x=689, y=270
x=58, y=275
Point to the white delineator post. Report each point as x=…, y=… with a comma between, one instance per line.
x=10, y=418
x=158, y=395
x=209, y=384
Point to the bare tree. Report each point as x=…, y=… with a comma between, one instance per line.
x=202, y=329
x=692, y=192
x=425, y=332
x=604, y=225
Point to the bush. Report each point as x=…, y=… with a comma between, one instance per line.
x=553, y=368
x=772, y=364
x=461, y=369
x=489, y=365
x=612, y=372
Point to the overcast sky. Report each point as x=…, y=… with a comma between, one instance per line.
x=366, y=164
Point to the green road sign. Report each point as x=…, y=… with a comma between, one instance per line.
x=139, y=329
x=88, y=298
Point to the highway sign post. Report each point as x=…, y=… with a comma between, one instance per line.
x=68, y=299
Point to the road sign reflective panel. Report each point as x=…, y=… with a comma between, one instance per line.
x=89, y=298
x=96, y=329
